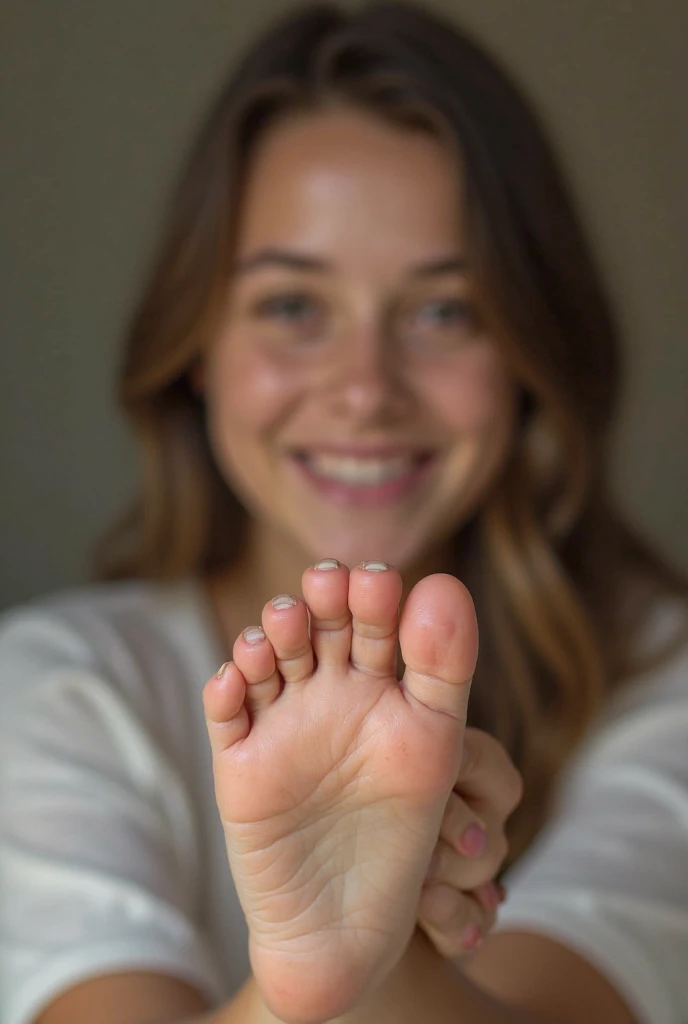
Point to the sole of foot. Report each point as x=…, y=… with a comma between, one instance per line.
x=331, y=775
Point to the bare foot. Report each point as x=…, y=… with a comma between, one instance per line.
x=332, y=777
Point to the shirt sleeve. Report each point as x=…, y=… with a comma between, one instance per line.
x=98, y=863
x=609, y=876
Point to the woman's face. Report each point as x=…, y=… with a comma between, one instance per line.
x=353, y=401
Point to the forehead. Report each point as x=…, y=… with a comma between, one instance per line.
x=347, y=184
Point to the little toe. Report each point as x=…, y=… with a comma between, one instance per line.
x=254, y=656
x=285, y=620
x=326, y=590
x=374, y=595
x=438, y=634
x=226, y=716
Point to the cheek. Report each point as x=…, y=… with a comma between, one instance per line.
x=251, y=390
x=475, y=393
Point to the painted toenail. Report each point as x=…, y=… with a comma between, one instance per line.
x=253, y=635
x=221, y=670
x=374, y=566
x=327, y=563
x=284, y=601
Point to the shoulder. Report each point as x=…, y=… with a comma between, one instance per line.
x=100, y=849
x=89, y=623
x=654, y=701
x=64, y=623
x=606, y=876
x=134, y=642
x=87, y=610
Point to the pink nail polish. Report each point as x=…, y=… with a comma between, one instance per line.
x=492, y=894
x=474, y=840
x=471, y=938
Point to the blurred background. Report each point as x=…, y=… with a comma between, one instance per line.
x=98, y=101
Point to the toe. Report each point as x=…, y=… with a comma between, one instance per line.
x=254, y=656
x=439, y=644
x=374, y=595
x=226, y=717
x=326, y=590
x=285, y=621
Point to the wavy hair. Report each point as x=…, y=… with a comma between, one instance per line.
x=561, y=585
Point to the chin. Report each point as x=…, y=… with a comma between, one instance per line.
x=352, y=552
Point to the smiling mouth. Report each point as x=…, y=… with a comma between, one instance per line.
x=362, y=472
x=367, y=479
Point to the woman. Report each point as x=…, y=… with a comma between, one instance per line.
x=374, y=338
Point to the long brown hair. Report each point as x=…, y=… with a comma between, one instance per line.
x=559, y=582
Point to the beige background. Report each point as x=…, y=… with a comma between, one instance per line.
x=98, y=100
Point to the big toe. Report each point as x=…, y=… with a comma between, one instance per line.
x=438, y=634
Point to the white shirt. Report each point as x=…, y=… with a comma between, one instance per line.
x=112, y=855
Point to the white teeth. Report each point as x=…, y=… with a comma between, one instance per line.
x=351, y=470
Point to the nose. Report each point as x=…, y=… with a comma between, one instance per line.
x=366, y=382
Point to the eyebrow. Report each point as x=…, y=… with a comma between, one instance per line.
x=299, y=261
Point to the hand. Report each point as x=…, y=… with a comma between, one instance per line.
x=460, y=897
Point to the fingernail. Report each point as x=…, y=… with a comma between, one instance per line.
x=327, y=563
x=283, y=601
x=492, y=894
x=253, y=635
x=374, y=566
x=221, y=670
x=474, y=840
x=471, y=938
x=501, y=890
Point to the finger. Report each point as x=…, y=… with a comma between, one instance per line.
x=463, y=829
x=448, y=867
x=477, y=848
x=487, y=776
x=456, y=923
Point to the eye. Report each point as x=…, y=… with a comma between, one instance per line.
x=443, y=313
x=443, y=322
x=289, y=308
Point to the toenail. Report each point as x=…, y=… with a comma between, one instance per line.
x=253, y=635
x=327, y=563
x=283, y=601
x=374, y=566
x=221, y=670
